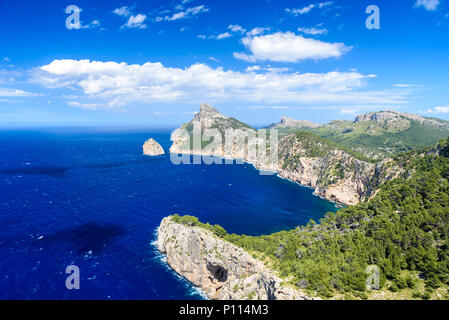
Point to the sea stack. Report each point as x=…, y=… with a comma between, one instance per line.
x=152, y=148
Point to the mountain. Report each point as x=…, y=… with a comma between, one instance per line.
x=207, y=118
x=397, y=221
x=289, y=123
x=398, y=239
x=379, y=135
x=336, y=172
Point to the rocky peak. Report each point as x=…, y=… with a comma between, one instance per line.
x=379, y=116
x=207, y=112
x=395, y=116
x=289, y=122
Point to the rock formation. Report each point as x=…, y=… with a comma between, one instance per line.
x=152, y=148
x=292, y=123
x=222, y=270
x=333, y=172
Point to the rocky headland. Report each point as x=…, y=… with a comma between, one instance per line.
x=335, y=173
x=222, y=270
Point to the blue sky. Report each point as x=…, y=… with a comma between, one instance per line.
x=153, y=62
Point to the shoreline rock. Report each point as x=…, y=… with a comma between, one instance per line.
x=152, y=148
x=222, y=270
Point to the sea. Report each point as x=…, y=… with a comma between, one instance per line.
x=88, y=197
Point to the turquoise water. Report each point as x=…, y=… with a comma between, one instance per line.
x=89, y=197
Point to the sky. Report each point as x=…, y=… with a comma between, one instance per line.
x=153, y=62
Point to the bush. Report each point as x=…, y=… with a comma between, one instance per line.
x=393, y=287
x=411, y=283
x=400, y=282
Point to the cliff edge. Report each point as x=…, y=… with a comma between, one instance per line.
x=222, y=270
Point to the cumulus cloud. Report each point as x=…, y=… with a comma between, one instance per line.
x=440, y=109
x=310, y=7
x=289, y=47
x=222, y=36
x=184, y=13
x=257, y=31
x=429, y=5
x=136, y=21
x=123, y=11
x=236, y=28
x=113, y=84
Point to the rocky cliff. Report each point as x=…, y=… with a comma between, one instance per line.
x=222, y=270
x=336, y=173
x=152, y=148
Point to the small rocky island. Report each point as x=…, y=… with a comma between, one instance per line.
x=152, y=148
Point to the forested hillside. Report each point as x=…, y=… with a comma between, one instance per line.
x=404, y=230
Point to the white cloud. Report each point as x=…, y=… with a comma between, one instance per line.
x=123, y=11
x=406, y=85
x=430, y=5
x=313, y=31
x=348, y=111
x=245, y=57
x=236, y=28
x=223, y=36
x=183, y=13
x=9, y=101
x=113, y=84
x=214, y=59
x=136, y=21
x=439, y=109
x=8, y=92
x=85, y=106
x=257, y=31
x=310, y=7
x=288, y=47
x=267, y=68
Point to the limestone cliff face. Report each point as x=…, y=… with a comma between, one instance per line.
x=333, y=172
x=152, y=148
x=222, y=270
x=337, y=176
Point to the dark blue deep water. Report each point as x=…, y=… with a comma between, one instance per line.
x=90, y=198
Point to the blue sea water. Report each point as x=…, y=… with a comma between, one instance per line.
x=89, y=197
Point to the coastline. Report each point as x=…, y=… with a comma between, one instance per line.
x=273, y=171
x=219, y=268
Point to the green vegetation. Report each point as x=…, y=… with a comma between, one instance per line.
x=380, y=140
x=314, y=146
x=404, y=230
x=191, y=221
